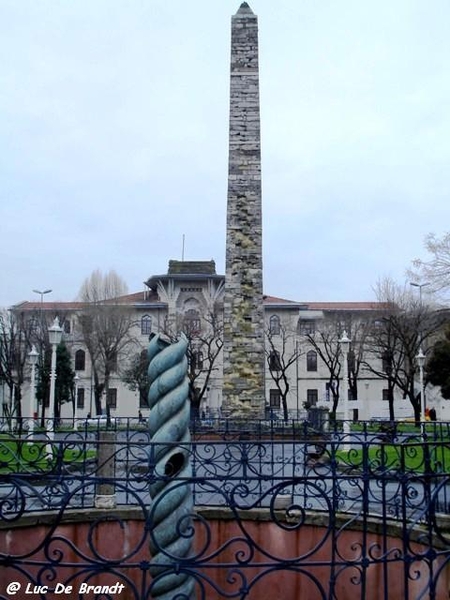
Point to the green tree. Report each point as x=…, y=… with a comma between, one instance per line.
x=438, y=366
x=65, y=378
x=43, y=381
x=64, y=383
x=135, y=376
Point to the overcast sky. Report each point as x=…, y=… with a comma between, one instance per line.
x=114, y=133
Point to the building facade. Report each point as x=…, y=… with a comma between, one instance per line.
x=303, y=361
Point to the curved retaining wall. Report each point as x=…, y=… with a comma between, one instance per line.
x=276, y=559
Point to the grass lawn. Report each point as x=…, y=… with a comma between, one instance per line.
x=18, y=456
x=408, y=457
x=432, y=428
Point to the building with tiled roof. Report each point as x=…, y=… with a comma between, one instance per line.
x=185, y=296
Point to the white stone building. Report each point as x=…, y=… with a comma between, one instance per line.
x=184, y=297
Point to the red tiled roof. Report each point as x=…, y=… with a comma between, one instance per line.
x=140, y=297
x=345, y=305
x=275, y=300
x=149, y=296
x=268, y=300
x=48, y=305
x=136, y=298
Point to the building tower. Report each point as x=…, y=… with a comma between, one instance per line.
x=243, y=349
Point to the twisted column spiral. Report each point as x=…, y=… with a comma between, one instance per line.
x=171, y=508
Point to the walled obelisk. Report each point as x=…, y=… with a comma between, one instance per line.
x=243, y=348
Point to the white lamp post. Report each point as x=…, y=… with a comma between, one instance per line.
x=33, y=356
x=345, y=344
x=420, y=358
x=54, y=335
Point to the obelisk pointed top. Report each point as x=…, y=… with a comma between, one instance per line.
x=244, y=9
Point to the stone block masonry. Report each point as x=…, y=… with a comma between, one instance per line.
x=243, y=350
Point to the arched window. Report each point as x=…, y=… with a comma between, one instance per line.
x=274, y=361
x=311, y=361
x=274, y=325
x=146, y=325
x=80, y=360
x=191, y=322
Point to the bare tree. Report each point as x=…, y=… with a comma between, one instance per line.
x=205, y=341
x=325, y=341
x=436, y=270
x=403, y=326
x=359, y=329
x=106, y=325
x=16, y=331
x=282, y=351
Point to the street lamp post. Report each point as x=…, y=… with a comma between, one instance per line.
x=41, y=311
x=420, y=358
x=33, y=356
x=345, y=344
x=42, y=294
x=420, y=286
x=54, y=335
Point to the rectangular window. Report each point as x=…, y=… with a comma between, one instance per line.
x=311, y=361
x=306, y=327
x=312, y=397
x=386, y=395
x=275, y=398
x=112, y=397
x=80, y=398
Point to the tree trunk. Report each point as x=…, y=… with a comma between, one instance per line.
x=285, y=408
x=391, y=400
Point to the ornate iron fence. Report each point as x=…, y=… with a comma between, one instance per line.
x=323, y=512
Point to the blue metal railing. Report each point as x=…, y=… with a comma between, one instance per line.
x=388, y=474
x=392, y=471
